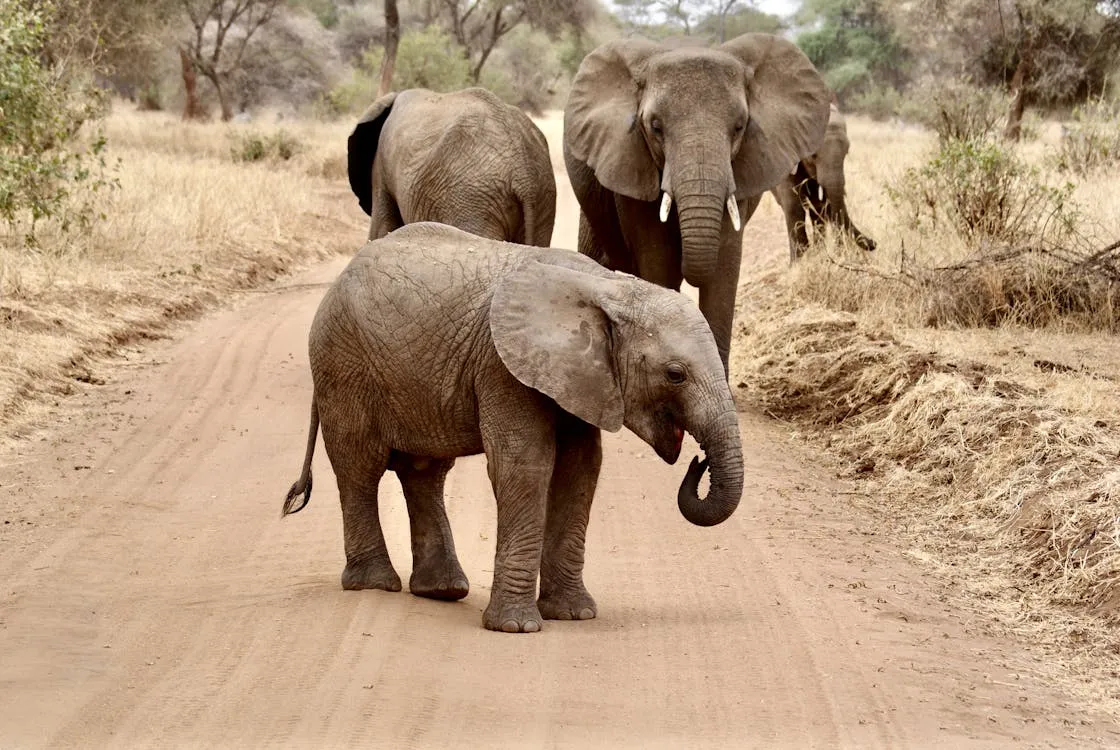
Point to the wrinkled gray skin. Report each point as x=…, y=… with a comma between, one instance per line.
x=817, y=187
x=465, y=159
x=434, y=344
x=702, y=125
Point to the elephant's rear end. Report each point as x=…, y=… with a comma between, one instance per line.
x=464, y=159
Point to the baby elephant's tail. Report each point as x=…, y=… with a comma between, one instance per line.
x=300, y=493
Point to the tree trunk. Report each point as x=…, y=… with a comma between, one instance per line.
x=223, y=98
x=392, y=41
x=1018, y=101
x=192, y=109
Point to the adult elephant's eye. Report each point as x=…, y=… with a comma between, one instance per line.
x=740, y=127
x=655, y=126
x=675, y=373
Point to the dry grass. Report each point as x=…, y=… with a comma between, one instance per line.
x=919, y=277
x=994, y=453
x=188, y=227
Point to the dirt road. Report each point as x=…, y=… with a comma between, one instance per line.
x=151, y=596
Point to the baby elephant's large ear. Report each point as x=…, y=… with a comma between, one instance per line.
x=788, y=103
x=361, y=149
x=551, y=332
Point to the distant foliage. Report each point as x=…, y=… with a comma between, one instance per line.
x=527, y=71
x=958, y=110
x=426, y=59
x=854, y=44
x=1092, y=141
x=49, y=169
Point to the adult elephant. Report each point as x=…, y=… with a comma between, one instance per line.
x=464, y=158
x=708, y=130
x=816, y=188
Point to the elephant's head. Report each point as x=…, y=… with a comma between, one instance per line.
x=361, y=149
x=826, y=167
x=615, y=350
x=698, y=126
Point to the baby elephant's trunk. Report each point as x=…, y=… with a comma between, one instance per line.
x=300, y=493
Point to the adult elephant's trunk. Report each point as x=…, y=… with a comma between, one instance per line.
x=701, y=190
x=836, y=208
x=720, y=441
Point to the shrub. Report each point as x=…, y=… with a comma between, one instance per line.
x=252, y=147
x=1091, y=141
x=959, y=110
x=878, y=102
x=48, y=169
x=983, y=192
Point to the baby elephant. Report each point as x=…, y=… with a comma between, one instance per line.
x=465, y=159
x=434, y=343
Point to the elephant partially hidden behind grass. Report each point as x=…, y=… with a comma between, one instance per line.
x=521, y=353
x=816, y=187
x=465, y=159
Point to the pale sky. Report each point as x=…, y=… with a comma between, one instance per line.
x=777, y=7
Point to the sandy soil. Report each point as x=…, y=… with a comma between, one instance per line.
x=151, y=595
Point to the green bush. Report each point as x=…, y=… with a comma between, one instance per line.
x=1091, y=141
x=49, y=169
x=252, y=147
x=427, y=59
x=980, y=190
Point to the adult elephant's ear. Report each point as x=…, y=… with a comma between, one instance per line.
x=788, y=106
x=551, y=331
x=361, y=148
x=600, y=127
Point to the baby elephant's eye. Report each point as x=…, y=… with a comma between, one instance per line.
x=676, y=374
x=740, y=127
x=655, y=125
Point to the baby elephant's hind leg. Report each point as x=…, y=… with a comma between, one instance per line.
x=367, y=559
x=436, y=572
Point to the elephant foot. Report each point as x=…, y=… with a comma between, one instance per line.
x=443, y=579
x=370, y=575
x=568, y=605
x=512, y=618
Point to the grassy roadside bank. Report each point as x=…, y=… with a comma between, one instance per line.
x=991, y=454
x=203, y=210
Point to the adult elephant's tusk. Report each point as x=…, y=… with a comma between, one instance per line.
x=733, y=210
x=666, y=202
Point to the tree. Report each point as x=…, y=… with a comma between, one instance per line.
x=479, y=25
x=1046, y=52
x=855, y=44
x=219, y=54
x=392, y=41
x=732, y=22
x=48, y=170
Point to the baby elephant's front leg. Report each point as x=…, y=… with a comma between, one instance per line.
x=520, y=468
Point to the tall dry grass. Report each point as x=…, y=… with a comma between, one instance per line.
x=188, y=226
x=928, y=276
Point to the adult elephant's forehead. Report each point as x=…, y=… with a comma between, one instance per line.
x=697, y=61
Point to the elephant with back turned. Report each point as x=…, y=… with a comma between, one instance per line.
x=465, y=159
x=706, y=130
x=524, y=354
x=816, y=187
